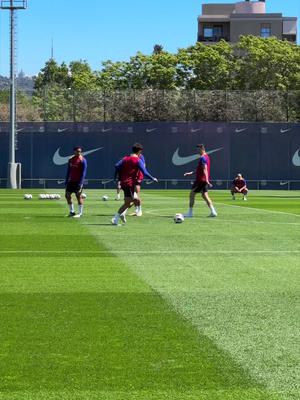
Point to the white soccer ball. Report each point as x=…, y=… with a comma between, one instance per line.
x=41, y=196
x=27, y=196
x=104, y=198
x=47, y=196
x=83, y=195
x=58, y=196
x=52, y=196
x=178, y=218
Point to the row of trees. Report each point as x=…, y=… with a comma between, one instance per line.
x=255, y=79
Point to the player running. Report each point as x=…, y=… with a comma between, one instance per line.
x=202, y=183
x=127, y=170
x=239, y=186
x=76, y=173
x=137, y=189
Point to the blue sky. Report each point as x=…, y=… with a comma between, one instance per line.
x=105, y=29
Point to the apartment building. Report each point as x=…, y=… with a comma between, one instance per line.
x=230, y=21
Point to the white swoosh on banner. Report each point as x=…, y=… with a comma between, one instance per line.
x=177, y=160
x=285, y=130
x=148, y=130
x=240, y=130
x=59, y=160
x=296, y=159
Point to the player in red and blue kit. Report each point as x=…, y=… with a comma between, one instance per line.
x=76, y=173
x=239, y=186
x=127, y=170
x=137, y=188
x=202, y=183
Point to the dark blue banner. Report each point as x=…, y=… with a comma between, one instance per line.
x=258, y=151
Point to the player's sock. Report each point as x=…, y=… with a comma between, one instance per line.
x=118, y=196
x=80, y=209
x=139, y=212
x=189, y=214
x=213, y=211
x=115, y=219
x=71, y=207
x=123, y=216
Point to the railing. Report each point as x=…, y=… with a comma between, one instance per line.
x=185, y=184
x=154, y=105
x=213, y=39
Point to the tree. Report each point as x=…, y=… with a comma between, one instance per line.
x=206, y=67
x=267, y=64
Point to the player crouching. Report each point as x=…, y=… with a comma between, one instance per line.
x=127, y=170
x=76, y=173
x=239, y=186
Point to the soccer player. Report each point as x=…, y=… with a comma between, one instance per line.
x=239, y=186
x=127, y=170
x=76, y=173
x=202, y=182
x=137, y=188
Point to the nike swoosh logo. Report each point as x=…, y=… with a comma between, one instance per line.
x=240, y=130
x=296, y=159
x=151, y=130
x=285, y=130
x=177, y=160
x=196, y=130
x=149, y=182
x=20, y=130
x=60, y=182
x=59, y=160
x=283, y=183
x=62, y=130
x=106, y=130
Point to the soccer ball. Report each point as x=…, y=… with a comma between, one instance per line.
x=58, y=196
x=105, y=198
x=83, y=195
x=27, y=196
x=178, y=218
x=41, y=196
x=52, y=196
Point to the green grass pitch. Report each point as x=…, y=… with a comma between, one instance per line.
x=204, y=310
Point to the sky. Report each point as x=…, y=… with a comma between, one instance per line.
x=99, y=30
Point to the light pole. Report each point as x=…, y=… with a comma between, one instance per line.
x=14, y=169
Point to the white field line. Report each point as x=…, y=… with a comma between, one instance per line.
x=161, y=252
x=221, y=219
x=259, y=209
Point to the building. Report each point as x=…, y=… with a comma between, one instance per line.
x=230, y=21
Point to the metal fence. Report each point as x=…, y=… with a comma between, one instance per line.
x=55, y=104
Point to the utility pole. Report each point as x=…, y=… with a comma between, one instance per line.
x=14, y=169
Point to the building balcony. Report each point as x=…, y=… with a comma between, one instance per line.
x=213, y=39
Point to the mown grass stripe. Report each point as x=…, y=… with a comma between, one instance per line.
x=106, y=339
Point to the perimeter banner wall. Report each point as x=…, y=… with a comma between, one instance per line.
x=258, y=151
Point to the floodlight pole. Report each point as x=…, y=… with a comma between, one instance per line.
x=13, y=169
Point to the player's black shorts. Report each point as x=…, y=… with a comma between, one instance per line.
x=73, y=187
x=128, y=191
x=200, y=187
